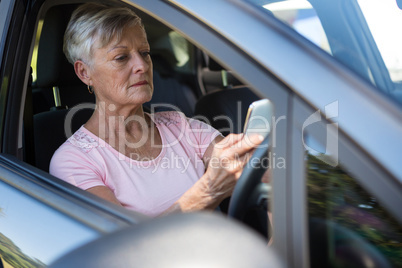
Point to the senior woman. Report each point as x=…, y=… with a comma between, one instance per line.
x=151, y=163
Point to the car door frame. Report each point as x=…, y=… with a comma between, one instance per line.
x=261, y=73
x=71, y=206
x=289, y=196
x=18, y=29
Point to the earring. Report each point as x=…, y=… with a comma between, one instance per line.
x=90, y=90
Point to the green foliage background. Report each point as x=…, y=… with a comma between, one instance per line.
x=13, y=255
x=334, y=195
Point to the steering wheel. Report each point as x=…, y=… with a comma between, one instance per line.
x=249, y=191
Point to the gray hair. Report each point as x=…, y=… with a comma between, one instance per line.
x=95, y=23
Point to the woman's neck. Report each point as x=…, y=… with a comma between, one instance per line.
x=112, y=123
x=129, y=131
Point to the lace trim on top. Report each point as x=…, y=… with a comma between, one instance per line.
x=168, y=118
x=83, y=140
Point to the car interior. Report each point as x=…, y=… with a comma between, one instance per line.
x=185, y=77
x=188, y=81
x=192, y=89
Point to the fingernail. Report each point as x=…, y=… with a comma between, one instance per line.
x=257, y=137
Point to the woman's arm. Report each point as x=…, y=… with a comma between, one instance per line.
x=105, y=193
x=225, y=164
x=225, y=161
x=210, y=149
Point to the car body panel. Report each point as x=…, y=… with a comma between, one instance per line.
x=36, y=208
x=245, y=40
x=342, y=89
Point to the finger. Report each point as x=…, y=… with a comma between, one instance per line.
x=246, y=158
x=242, y=147
x=243, y=158
x=229, y=141
x=240, y=161
x=253, y=140
x=266, y=178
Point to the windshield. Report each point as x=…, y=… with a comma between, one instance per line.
x=361, y=34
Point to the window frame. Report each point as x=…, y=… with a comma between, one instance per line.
x=356, y=161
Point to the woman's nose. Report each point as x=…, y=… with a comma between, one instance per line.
x=140, y=64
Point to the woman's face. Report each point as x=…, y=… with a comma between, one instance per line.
x=121, y=72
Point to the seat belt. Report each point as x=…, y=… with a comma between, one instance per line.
x=57, y=100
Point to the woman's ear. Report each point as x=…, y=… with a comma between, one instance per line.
x=82, y=71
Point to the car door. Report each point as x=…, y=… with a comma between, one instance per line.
x=321, y=107
x=338, y=185
x=41, y=218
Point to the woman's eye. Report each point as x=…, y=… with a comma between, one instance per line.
x=121, y=58
x=146, y=53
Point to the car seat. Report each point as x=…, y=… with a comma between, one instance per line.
x=55, y=90
x=55, y=75
x=225, y=108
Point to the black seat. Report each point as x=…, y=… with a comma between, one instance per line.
x=55, y=76
x=226, y=110
x=53, y=69
x=52, y=129
x=225, y=107
x=170, y=94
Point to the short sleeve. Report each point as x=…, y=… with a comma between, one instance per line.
x=202, y=135
x=76, y=167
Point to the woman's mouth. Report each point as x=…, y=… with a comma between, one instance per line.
x=140, y=83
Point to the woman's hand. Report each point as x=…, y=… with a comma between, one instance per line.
x=226, y=164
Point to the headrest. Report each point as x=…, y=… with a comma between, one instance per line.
x=53, y=69
x=162, y=54
x=233, y=103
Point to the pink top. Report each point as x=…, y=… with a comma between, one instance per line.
x=149, y=187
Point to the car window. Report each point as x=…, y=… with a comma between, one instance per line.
x=183, y=52
x=357, y=33
x=337, y=199
x=33, y=234
x=302, y=17
x=381, y=17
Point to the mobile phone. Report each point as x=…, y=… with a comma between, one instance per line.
x=259, y=118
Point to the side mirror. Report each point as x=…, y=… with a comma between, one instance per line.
x=198, y=239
